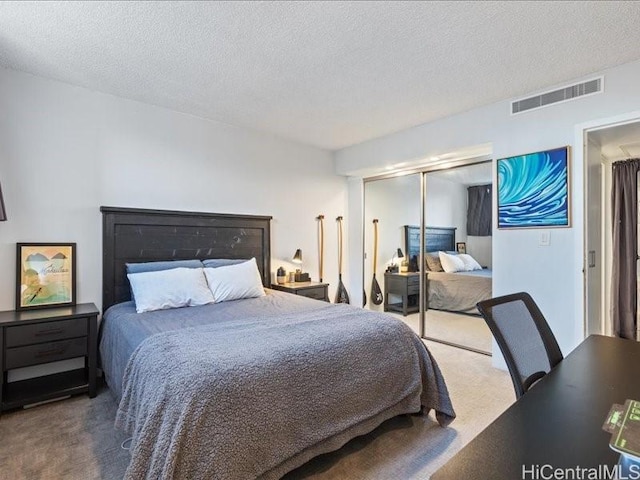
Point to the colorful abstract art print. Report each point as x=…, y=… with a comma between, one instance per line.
x=45, y=276
x=533, y=190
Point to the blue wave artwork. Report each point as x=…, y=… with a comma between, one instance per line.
x=533, y=190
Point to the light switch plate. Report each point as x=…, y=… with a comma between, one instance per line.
x=545, y=239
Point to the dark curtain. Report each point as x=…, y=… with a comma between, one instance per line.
x=479, y=211
x=624, y=200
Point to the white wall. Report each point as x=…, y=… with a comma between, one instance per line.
x=480, y=249
x=446, y=205
x=519, y=262
x=65, y=151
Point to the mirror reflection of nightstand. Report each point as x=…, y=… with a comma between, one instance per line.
x=407, y=287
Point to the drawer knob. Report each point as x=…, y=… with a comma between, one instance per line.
x=51, y=331
x=49, y=353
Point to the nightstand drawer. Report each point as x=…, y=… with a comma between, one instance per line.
x=318, y=293
x=413, y=280
x=45, y=332
x=44, y=353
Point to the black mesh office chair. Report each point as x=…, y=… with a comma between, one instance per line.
x=524, y=337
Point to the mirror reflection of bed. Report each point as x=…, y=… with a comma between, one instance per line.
x=451, y=314
x=457, y=210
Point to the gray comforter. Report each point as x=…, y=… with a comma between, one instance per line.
x=459, y=291
x=257, y=396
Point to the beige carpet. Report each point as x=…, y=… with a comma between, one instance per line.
x=74, y=438
x=71, y=439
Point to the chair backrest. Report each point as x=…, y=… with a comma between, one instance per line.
x=524, y=337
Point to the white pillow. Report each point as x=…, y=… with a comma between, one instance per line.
x=234, y=282
x=451, y=263
x=177, y=287
x=470, y=263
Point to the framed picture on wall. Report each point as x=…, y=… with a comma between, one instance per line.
x=45, y=275
x=533, y=190
x=461, y=247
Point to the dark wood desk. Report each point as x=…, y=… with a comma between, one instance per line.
x=559, y=421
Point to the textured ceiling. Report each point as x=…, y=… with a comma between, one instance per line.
x=329, y=74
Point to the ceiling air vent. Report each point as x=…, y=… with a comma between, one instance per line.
x=570, y=92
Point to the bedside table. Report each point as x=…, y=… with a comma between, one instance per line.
x=37, y=337
x=317, y=290
x=405, y=285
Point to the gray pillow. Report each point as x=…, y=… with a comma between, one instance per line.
x=433, y=262
x=222, y=262
x=159, y=266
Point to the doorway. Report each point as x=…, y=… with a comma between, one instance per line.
x=603, y=146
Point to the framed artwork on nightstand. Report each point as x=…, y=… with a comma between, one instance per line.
x=45, y=275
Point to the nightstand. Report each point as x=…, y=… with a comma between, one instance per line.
x=317, y=290
x=37, y=337
x=406, y=286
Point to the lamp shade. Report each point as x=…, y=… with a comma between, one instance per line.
x=400, y=254
x=3, y=212
x=297, y=258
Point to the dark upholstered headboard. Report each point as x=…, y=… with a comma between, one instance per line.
x=436, y=239
x=141, y=235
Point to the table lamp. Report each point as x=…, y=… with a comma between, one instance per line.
x=297, y=258
x=393, y=268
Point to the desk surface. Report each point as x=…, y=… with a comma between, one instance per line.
x=559, y=421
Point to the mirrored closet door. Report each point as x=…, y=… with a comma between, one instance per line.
x=391, y=276
x=458, y=257
x=446, y=214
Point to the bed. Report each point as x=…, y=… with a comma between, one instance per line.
x=454, y=292
x=249, y=388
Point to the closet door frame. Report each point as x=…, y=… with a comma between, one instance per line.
x=423, y=171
